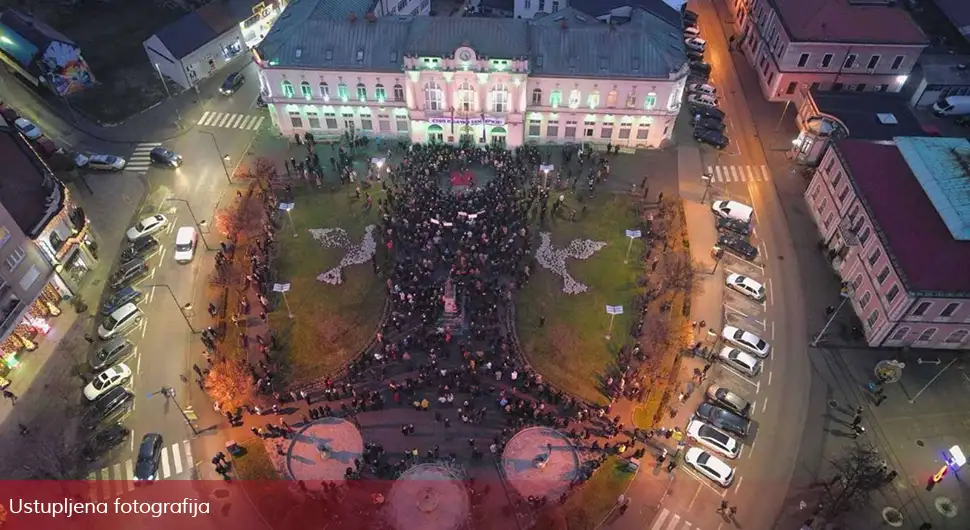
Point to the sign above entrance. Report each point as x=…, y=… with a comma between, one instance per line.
x=447, y=120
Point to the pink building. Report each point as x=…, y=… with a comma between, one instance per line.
x=827, y=44
x=896, y=221
x=566, y=78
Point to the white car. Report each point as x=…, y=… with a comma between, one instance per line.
x=101, y=162
x=117, y=375
x=740, y=360
x=702, y=99
x=713, y=438
x=746, y=340
x=186, y=239
x=28, y=129
x=702, y=88
x=147, y=226
x=691, y=31
x=696, y=43
x=746, y=286
x=710, y=466
x=733, y=210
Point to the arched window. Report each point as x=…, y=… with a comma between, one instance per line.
x=555, y=98
x=398, y=93
x=594, y=99
x=325, y=91
x=926, y=335
x=900, y=333
x=574, y=98
x=500, y=98
x=380, y=93
x=287, y=89
x=957, y=337
x=433, y=96
x=342, y=91
x=55, y=241
x=611, y=99
x=361, y=92
x=306, y=90
x=650, y=102
x=465, y=97
x=537, y=96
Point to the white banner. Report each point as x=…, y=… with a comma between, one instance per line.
x=281, y=287
x=614, y=310
x=287, y=206
x=633, y=233
x=446, y=120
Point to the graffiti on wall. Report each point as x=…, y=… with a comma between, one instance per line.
x=67, y=70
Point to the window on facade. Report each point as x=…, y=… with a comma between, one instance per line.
x=949, y=310
x=873, y=62
x=643, y=130
x=402, y=4
x=287, y=89
x=897, y=62
x=552, y=128
x=366, y=124
x=873, y=317
x=625, y=125
x=361, y=92
x=380, y=93
x=528, y=4
x=864, y=236
x=402, y=124
x=15, y=258
x=881, y=88
x=433, y=96
x=555, y=98
x=826, y=60
x=589, y=125
x=827, y=222
x=957, y=337
x=837, y=178
x=892, y=293
x=574, y=98
x=536, y=96
x=849, y=60
x=325, y=91
x=650, y=102
x=815, y=86
x=306, y=90
x=843, y=194
x=398, y=93
x=593, y=100
x=874, y=256
x=570, y=129
x=883, y=274
x=861, y=87
x=313, y=118
x=803, y=60
x=611, y=99
x=857, y=281
x=606, y=131
x=921, y=309
x=342, y=91
x=816, y=190
x=926, y=335
x=555, y=5
x=864, y=301
x=791, y=87
x=535, y=126
x=500, y=98
x=823, y=204
x=631, y=100
x=900, y=333
x=466, y=97
x=331, y=119
x=296, y=120
x=384, y=124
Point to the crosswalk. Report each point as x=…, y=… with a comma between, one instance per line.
x=227, y=120
x=739, y=173
x=140, y=160
x=668, y=520
x=118, y=479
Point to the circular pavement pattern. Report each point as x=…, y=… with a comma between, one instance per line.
x=533, y=470
x=323, y=450
x=428, y=497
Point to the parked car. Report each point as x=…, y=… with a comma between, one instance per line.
x=710, y=466
x=695, y=43
x=186, y=239
x=737, y=246
x=8, y=113
x=708, y=112
x=124, y=319
x=100, y=162
x=104, y=441
x=722, y=419
x=147, y=226
x=117, y=375
x=702, y=88
x=745, y=286
x=740, y=360
x=232, y=83
x=128, y=273
x=723, y=397
x=113, y=406
x=691, y=31
x=143, y=247
x=110, y=353
x=715, y=139
x=688, y=14
x=693, y=56
x=149, y=455
x=746, y=340
x=708, y=124
x=120, y=298
x=727, y=224
x=702, y=68
x=713, y=438
x=165, y=157
x=28, y=129
x=701, y=99
x=733, y=210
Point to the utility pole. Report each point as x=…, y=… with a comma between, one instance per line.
x=845, y=293
x=198, y=224
x=223, y=159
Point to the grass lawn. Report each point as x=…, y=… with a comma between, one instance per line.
x=255, y=464
x=571, y=350
x=590, y=505
x=331, y=323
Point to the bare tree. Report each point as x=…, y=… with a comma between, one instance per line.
x=230, y=383
x=855, y=476
x=677, y=271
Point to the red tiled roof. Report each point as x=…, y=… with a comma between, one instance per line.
x=930, y=259
x=840, y=21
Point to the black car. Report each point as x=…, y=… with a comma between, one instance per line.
x=166, y=157
x=700, y=67
x=128, y=273
x=688, y=14
x=738, y=245
x=708, y=123
x=707, y=111
x=120, y=298
x=232, y=83
x=713, y=138
x=735, y=226
x=105, y=441
x=695, y=56
x=113, y=405
x=144, y=247
x=149, y=455
x=110, y=353
x=722, y=419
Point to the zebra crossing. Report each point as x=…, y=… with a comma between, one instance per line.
x=227, y=120
x=118, y=479
x=739, y=173
x=672, y=520
x=140, y=160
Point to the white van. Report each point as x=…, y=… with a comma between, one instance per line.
x=185, y=242
x=123, y=319
x=952, y=106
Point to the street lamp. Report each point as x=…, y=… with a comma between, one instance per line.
x=707, y=178
x=718, y=254
x=187, y=414
x=198, y=224
x=224, y=158
x=845, y=293
x=178, y=117
x=183, y=308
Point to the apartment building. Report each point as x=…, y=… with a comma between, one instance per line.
x=828, y=45
x=896, y=225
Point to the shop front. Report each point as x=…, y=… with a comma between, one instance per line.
x=34, y=321
x=69, y=245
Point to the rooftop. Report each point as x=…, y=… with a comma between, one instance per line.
x=958, y=12
x=913, y=231
x=313, y=34
x=942, y=167
x=870, y=115
x=27, y=188
x=201, y=26
x=945, y=69
x=846, y=22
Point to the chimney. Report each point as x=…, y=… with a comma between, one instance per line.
x=371, y=17
x=352, y=17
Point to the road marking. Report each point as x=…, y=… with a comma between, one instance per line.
x=765, y=173
x=771, y=297
x=742, y=313
x=144, y=328
x=165, y=469
x=161, y=256
x=131, y=440
x=752, y=448
x=703, y=481
x=203, y=118
x=764, y=250
x=769, y=377
x=129, y=474
x=177, y=458
x=137, y=361
x=737, y=373
x=696, y=493
x=764, y=405
x=738, y=485
x=663, y=517
x=188, y=453
x=772, y=330
x=151, y=295
x=152, y=275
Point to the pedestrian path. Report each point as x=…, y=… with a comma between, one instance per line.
x=112, y=481
x=667, y=520
x=227, y=120
x=739, y=173
x=140, y=160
